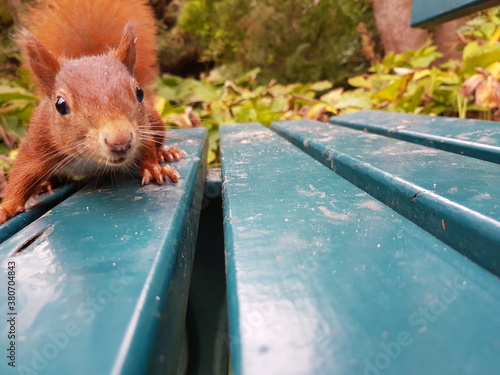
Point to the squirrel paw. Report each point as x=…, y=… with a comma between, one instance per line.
x=45, y=187
x=157, y=173
x=170, y=154
x=4, y=216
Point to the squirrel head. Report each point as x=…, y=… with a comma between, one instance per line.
x=93, y=103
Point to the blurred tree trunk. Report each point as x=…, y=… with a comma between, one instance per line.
x=393, y=22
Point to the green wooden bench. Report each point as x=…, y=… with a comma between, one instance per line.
x=99, y=284
x=368, y=245
x=358, y=267
x=428, y=13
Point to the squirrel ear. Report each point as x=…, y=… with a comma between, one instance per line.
x=126, y=50
x=43, y=64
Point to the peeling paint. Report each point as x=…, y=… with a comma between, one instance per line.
x=482, y=196
x=334, y=215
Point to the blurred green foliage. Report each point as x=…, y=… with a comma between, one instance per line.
x=9, y=53
x=16, y=105
x=214, y=100
x=407, y=82
x=290, y=40
x=410, y=82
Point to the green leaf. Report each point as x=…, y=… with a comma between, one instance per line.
x=304, y=100
x=389, y=92
x=488, y=29
x=10, y=92
x=470, y=49
x=212, y=156
x=424, y=57
x=411, y=102
x=170, y=80
x=279, y=104
x=248, y=76
x=205, y=92
x=321, y=86
x=333, y=96
x=168, y=93
x=393, y=91
x=301, y=89
x=11, y=96
x=360, y=81
x=213, y=135
x=359, y=102
x=279, y=90
x=475, y=56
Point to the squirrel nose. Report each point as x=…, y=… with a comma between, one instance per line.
x=119, y=145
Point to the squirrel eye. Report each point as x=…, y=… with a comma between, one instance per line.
x=61, y=106
x=140, y=94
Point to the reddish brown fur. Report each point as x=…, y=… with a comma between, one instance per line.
x=93, y=54
x=76, y=28
x=43, y=64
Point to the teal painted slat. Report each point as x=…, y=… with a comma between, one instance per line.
x=40, y=206
x=455, y=198
x=325, y=279
x=103, y=278
x=428, y=13
x=479, y=139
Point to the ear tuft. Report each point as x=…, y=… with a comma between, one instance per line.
x=42, y=63
x=126, y=51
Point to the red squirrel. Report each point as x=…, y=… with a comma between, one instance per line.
x=92, y=61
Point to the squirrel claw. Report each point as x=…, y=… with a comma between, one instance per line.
x=45, y=187
x=146, y=177
x=170, y=173
x=170, y=154
x=158, y=174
